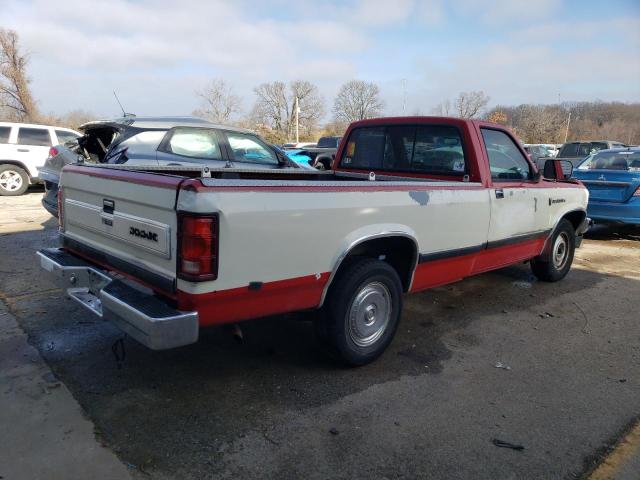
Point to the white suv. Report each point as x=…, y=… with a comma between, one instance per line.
x=23, y=148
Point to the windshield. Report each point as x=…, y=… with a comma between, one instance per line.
x=625, y=160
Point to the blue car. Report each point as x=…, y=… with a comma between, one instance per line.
x=613, y=179
x=297, y=156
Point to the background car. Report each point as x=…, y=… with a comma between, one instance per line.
x=537, y=153
x=161, y=141
x=23, y=148
x=613, y=179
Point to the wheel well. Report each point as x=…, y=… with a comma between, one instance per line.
x=576, y=218
x=17, y=164
x=398, y=251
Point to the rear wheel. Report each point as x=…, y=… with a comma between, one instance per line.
x=555, y=262
x=13, y=180
x=362, y=311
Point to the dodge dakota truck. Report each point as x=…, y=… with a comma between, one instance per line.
x=410, y=203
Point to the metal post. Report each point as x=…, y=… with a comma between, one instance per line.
x=297, y=120
x=566, y=132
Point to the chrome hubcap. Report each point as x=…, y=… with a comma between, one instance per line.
x=561, y=251
x=369, y=314
x=10, y=180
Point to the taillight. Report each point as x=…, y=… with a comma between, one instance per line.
x=637, y=192
x=53, y=151
x=60, y=209
x=198, y=247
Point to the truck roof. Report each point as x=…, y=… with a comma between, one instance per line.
x=423, y=119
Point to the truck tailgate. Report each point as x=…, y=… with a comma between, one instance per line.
x=125, y=220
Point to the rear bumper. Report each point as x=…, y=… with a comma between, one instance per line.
x=141, y=315
x=627, y=212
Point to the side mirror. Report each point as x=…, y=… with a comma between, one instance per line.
x=557, y=169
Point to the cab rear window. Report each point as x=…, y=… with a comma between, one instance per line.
x=435, y=149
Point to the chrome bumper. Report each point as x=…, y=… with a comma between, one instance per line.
x=141, y=315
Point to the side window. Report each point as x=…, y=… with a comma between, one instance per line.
x=569, y=150
x=438, y=149
x=585, y=149
x=64, y=136
x=248, y=148
x=195, y=143
x=505, y=159
x=4, y=134
x=597, y=146
x=38, y=137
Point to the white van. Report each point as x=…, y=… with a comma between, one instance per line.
x=23, y=148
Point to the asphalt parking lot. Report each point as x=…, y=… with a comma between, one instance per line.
x=276, y=407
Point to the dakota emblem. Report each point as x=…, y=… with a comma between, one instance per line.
x=136, y=232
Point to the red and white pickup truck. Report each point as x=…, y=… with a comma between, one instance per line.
x=411, y=203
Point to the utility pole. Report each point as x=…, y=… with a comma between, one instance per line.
x=297, y=120
x=566, y=132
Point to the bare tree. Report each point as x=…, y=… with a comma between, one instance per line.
x=443, y=109
x=75, y=118
x=357, y=100
x=219, y=103
x=15, y=95
x=276, y=103
x=470, y=104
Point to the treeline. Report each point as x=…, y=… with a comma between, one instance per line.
x=571, y=120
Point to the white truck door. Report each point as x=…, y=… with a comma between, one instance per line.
x=516, y=205
x=32, y=147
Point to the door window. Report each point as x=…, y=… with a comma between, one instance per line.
x=248, y=148
x=506, y=161
x=194, y=143
x=38, y=137
x=4, y=134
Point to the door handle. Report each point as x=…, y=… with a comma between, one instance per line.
x=499, y=193
x=24, y=150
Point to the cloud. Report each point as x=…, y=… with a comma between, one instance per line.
x=156, y=53
x=513, y=74
x=498, y=12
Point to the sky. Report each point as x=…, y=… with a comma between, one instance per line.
x=157, y=54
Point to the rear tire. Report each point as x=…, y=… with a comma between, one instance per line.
x=13, y=180
x=362, y=311
x=555, y=262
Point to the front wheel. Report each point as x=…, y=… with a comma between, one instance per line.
x=555, y=262
x=362, y=311
x=13, y=180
